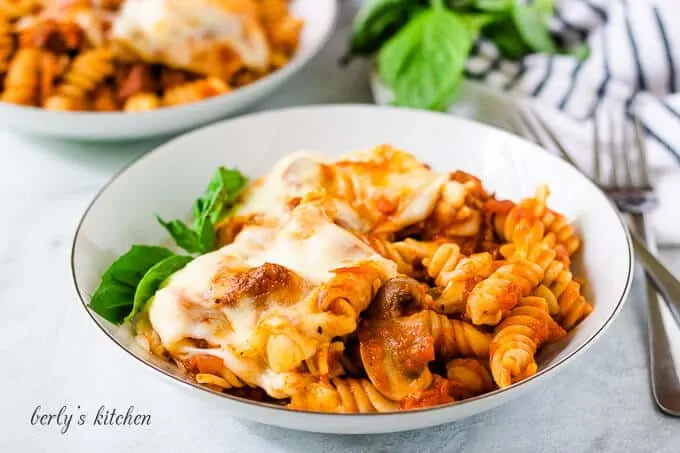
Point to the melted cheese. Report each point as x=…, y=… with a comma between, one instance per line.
x=313, y=247
x=294, y=176
x=316, y=205
x=310, y=245
x=177, y=31
x=378, y=190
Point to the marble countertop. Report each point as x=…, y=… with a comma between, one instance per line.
x=54, y=356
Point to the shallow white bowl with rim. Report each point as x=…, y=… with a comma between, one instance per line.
x=319, y=17
x=167, y=180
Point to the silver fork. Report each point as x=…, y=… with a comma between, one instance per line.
x=633, y=194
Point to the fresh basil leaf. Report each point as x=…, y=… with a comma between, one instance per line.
x=508, y=40
x=530, y=23
x=114, y=297
x=394, y=56
x=475, y=23
x=544, y=7
x=493, y=5
x=206, y=234
x=223, y=189
x=129, y=268
x=459, y=4
x=222, y=192
x=424, y=62
x=376, y=22
x=153, y=279
x=112, y=301
x=184, y=236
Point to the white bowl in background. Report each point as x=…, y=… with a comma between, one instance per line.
x=166, y=181
x=319, y=17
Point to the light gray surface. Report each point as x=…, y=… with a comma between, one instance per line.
x=53, y=355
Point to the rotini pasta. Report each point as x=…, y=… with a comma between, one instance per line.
x=456, y=338
x=23, y=78
x=491, y=299
x=572, y=305
x=97, y=41
x=18, y=8
x=343, y=395
x=518, y=337
x=408, y=253
x=211, y=371
x=89, y=69
x=194, y=91
x=341, y=297
x=327, y=361
x=6, y=43
x=142, y=102
x=468, y=378
x=460, y=281
x=350, y=291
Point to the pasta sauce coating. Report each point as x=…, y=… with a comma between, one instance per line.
x=332, y=294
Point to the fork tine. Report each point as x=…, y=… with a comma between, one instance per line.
x=613, y=170
x=627, y=153
x=642, y=153
x=597, y=166
x=556, y=142
x=529, y=127
x=518, y=127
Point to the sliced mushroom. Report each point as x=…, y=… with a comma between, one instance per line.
x=396, y=296
x=396, y=353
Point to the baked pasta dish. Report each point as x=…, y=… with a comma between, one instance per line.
x=368, y=283
x=138, y=55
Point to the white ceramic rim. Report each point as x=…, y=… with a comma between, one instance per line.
x=494, y=395
x=295, y=64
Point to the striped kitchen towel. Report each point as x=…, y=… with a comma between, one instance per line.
x=633, y=67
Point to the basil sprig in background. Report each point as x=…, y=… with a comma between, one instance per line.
x=133, y=279
x=422, y=45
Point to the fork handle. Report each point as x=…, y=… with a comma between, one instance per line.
x=664, y=379
x=664, y=281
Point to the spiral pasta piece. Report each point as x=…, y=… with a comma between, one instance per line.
x=105, y=99
x=272, y=10
x=88, y=70
x=545, y=293
x=23, y=78
x=327, y=361
x=573, y=307
x=517, y=338
x=455, y=338
x=403, y=253
x=52, y=67
x=442, y=262
x=195, y=91
x=6, y=42
x=227, y=380
x=15, y=9
x=210, y=370
x=285, y=348
x=512, y=219
x=142, y=102
x=460, y=281
x=468, y=378
x=491, y=299
x=564, y=233
x=350, y=291
x=343, y=395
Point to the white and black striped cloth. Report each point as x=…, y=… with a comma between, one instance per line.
x=634, y=64
x=633, y=69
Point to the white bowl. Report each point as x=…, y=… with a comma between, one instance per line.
x=319, y=17
x=167, y=180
